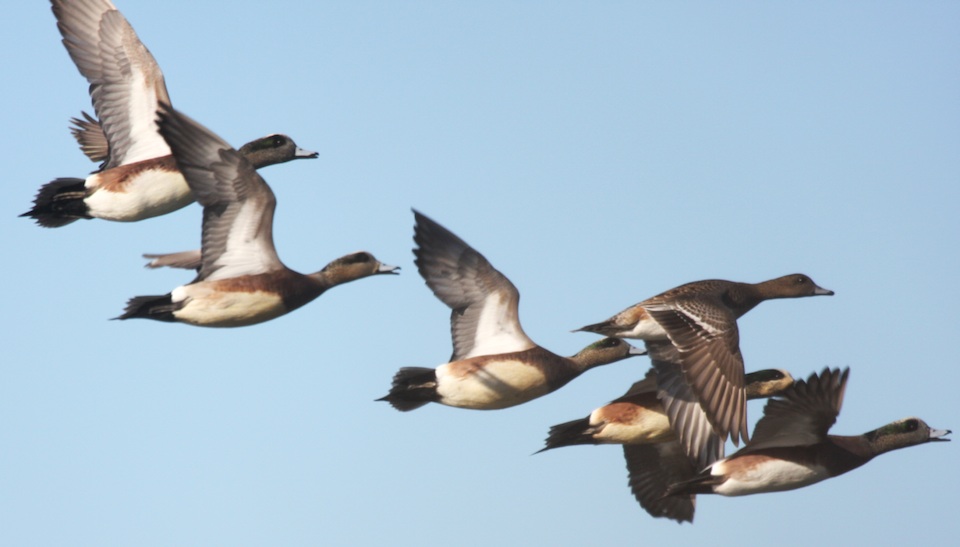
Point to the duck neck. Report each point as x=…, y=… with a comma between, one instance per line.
x=322, y=280
x=743, y=297
x=331, y=277
x=878, y=442
x=260, y=159
x=588, y=359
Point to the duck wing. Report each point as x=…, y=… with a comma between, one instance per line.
x=804, y=413
x=706, y=336
x=126, y=84
x=652, y=468
x=238, y=205
x=484, y=303
x=687, y=415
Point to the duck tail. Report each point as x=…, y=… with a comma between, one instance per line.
x=59, y=202
x=701, y=483
x=158, y=308
x=569, y=434
x=606, y=328
x=412, y=388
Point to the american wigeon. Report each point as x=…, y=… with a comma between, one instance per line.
x=702, y=389
x=655, y=458
x=241, y=280
x=494, y=363
x=139, y=178
x=791, y=448
x=269, y=150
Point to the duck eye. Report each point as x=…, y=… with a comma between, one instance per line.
x=801, y=280
x=278, y=141
x=911, y=425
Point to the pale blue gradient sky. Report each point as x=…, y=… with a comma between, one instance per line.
x=597, y=154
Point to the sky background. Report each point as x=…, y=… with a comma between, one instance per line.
x=597, y=153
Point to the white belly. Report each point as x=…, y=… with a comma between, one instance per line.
x=501, y=384
x=768, y=476
x=205, y=308
x=150, y=194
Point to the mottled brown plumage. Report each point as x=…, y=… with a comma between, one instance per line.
x=691, y=334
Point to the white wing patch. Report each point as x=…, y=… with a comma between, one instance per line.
x=498, y=331
x=141, y=114
x=246, y=251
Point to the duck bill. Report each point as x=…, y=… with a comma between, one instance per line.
x=821, y=291
x=634, y=350
x=938, y=434
x=305, y=154
x=388, y=269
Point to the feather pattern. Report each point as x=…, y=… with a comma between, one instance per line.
x=126, y=84
x=803, y=415
x=484, y=319
x=683, y=408
x=238, y=206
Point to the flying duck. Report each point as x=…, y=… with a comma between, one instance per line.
x=791, y=448
x=139, y=178
x=241, y=280
x=702, y=387
x=494, y=363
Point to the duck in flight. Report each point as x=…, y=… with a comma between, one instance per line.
x=702, y=386
x=241, y=280
x=791, y=447
x=139, y=178
x=494, y=363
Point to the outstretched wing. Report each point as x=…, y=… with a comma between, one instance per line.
x=484, y=318
x=237, y=235
x=804, y=413
x=126, y=84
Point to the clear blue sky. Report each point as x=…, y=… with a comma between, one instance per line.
x=597, y=153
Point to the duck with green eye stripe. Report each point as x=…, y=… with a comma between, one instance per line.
x=791, y=448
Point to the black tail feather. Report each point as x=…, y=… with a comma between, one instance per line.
x=412, y=388
x=59, y=202
x=569, y=434
x=158, y=308
x=702, y=483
